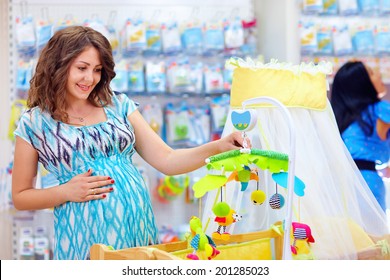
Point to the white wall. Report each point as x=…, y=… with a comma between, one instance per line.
x=278, y=29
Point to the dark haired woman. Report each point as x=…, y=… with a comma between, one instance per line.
x=363, y=119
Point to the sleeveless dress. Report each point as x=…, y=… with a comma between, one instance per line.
x=125, y=217
x=371, y=148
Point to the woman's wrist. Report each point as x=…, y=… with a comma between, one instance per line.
x=60, y=195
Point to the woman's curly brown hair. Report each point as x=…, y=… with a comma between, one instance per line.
x=48, y=84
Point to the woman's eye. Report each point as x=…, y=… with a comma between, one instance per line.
x=98, y=70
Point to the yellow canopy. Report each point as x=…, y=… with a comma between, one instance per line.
x=292, y=87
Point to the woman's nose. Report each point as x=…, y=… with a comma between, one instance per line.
x=88, y=76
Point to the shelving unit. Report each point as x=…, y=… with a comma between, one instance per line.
x=358, y=40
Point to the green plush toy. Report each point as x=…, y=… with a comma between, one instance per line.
x=221, y=209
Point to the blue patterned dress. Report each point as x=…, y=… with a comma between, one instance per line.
x=125, y=217
x=371, y=148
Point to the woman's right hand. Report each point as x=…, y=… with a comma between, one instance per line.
x=85, y=187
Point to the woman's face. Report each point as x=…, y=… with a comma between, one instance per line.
x=84, y=75
x=376, y=79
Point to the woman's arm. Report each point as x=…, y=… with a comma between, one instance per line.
x=158, y=154
x=382, y=129
x=24, y=173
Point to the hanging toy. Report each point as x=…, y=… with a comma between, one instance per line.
x=221, y=209
x=277, y=200
x=225, y=216
x=244, y=120
x=280, y=178
x=242, y=176
x=300, y=232
x=245, y=175
x=203, y=245
x=234, y=160
x=257, y=196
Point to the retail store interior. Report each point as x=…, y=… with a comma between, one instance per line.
x=159, y=78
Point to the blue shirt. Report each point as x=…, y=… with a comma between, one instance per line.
x=370, y=147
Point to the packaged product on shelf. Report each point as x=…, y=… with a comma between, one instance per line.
x=26, y=244
x=41, y=244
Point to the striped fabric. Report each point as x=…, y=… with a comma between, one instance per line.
x=300, y=233
x=125, y=217
x=276, y=201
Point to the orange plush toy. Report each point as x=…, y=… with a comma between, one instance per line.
x=225, y=216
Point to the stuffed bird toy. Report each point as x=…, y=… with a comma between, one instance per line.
x=203, y=245
x=225, y=216
x=300, y=232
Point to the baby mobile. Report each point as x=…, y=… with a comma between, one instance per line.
x=240, y=167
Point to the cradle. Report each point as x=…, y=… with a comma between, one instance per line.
x=379, y=250
x=267, y=245
x=261, y=245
